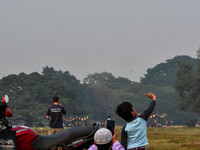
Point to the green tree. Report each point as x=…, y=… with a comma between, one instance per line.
x=188, y=86
x=107, y=80
x=99, y=78
x=30, y=95
x=164, y=74
x=183, y=78
x=65, y=77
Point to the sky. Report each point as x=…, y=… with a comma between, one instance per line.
x=122, y=37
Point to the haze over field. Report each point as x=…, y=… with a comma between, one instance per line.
x=124, y=38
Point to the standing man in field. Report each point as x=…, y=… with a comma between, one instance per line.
x=54, y=113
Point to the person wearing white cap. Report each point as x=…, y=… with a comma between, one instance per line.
x=103, y=140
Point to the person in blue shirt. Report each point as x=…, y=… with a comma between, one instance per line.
x=134, y=132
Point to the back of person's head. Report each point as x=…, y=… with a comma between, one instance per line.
x=103, y=139
x=55, y=99
x=124, y=111
x=59, y=147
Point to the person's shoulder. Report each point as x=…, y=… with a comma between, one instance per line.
x=136, y=119
x=93, y=147
x=141, y=119
x=50, y=106
x=61, y=106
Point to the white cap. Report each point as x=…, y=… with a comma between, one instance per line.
x=102, y=136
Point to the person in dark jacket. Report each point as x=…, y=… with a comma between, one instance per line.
x=134, y=132
x=54, y=113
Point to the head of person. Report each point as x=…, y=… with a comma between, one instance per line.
x=103, y=139
x=55, y=99
x=126, y=111
x=59, y=147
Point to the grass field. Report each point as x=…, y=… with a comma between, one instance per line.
x=171, y=138
x=174, y=138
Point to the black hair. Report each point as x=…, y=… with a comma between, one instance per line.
x=59, y=147
x=124, y=111
x=104, y=146
x=2, y=109
x=55, y=99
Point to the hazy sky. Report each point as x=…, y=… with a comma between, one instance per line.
x=123, y=37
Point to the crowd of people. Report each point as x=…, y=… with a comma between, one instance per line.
x=133, y=134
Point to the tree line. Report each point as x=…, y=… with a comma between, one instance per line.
x=188, y=85
x=100, y=93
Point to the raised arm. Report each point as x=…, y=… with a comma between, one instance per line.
x=149, y=110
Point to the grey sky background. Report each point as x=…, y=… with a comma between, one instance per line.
x=123, y=37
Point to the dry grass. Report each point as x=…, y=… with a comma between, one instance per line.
x=176, y=138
